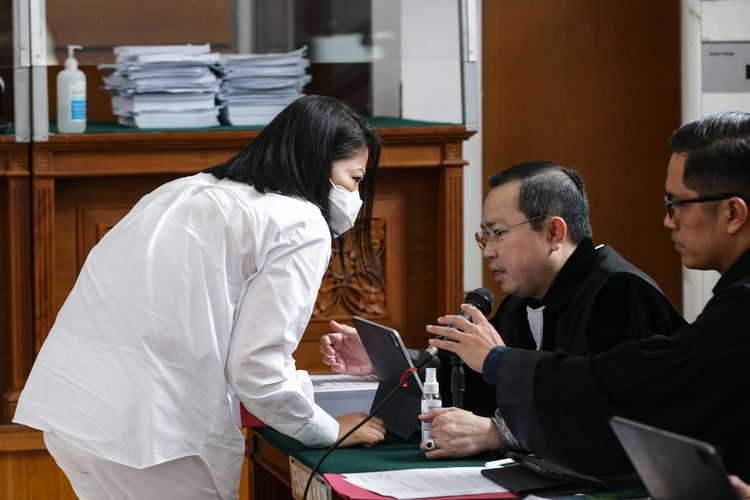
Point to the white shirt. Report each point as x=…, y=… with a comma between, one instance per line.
x=536, y=324
x=204, y=283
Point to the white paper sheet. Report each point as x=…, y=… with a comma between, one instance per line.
x=426, y=483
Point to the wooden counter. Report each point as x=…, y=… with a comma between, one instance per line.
x=76, y=187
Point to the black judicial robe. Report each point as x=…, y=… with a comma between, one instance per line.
x=597, y=301
x=694, y=383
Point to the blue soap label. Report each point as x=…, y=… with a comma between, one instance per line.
x=78, y=109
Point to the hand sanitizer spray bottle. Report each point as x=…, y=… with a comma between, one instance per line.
x=430, y=399
x=71, y=96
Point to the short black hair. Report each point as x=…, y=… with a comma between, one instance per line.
x=717, y=150
x=550, y=189
x=294, y=154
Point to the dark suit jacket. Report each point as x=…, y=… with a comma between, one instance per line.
x=694, y=383
x=597, y=301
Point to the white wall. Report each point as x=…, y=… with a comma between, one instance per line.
x=386, y=67
x=429, y=76
x=473, y=183
x=716, y=21
x=430, y=57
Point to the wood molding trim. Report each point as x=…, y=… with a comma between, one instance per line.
x=43, y=214
x=451, y=241
x=14, y=157
x=14, y=437
x=188, y=152
x=20, y=296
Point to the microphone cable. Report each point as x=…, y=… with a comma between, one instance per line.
x=402, y=383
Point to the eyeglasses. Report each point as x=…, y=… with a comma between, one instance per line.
x=483, y=237
x=671, y=204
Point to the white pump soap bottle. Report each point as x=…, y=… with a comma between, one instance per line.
x=71, y=96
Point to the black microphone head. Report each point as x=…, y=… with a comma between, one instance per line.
x=481, y=298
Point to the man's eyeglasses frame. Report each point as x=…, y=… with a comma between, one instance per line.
x=484, y=237
x=670, y=203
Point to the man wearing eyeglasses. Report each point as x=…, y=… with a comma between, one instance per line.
x=563, y=293
x=693, y=383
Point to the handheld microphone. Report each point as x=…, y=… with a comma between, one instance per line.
x=481, y=298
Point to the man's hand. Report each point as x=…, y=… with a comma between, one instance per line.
x=343, y=351
x=475, y=340
x=459, y=433
x=742, y=488
x=370, y=434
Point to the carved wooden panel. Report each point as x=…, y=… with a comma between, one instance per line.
x=376, y=299
x=43, y=161
x=362, y=293
x=18, y=161
x=453, y=153
x=339, y=298
x=382, y=301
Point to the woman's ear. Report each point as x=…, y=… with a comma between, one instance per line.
x=557, y=232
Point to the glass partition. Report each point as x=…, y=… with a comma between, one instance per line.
x=379, y=56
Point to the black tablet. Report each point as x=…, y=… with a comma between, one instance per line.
x=390, y=361
x=673, y=466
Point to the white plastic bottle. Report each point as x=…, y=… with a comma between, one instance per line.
x=430, y=400
x=71, y=96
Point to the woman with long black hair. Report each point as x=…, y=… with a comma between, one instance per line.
x=201, y=292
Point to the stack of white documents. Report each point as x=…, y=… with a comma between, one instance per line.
x=256, y=87
x=164, y=86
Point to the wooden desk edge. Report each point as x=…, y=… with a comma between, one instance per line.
x=264, y=454
x=14, y=437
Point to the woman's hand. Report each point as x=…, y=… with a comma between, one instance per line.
x=370, y=434
x=343, y=351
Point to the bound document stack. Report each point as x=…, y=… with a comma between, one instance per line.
x=164, y=86
x=256, y=87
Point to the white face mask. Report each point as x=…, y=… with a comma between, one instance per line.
x=344, y=207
